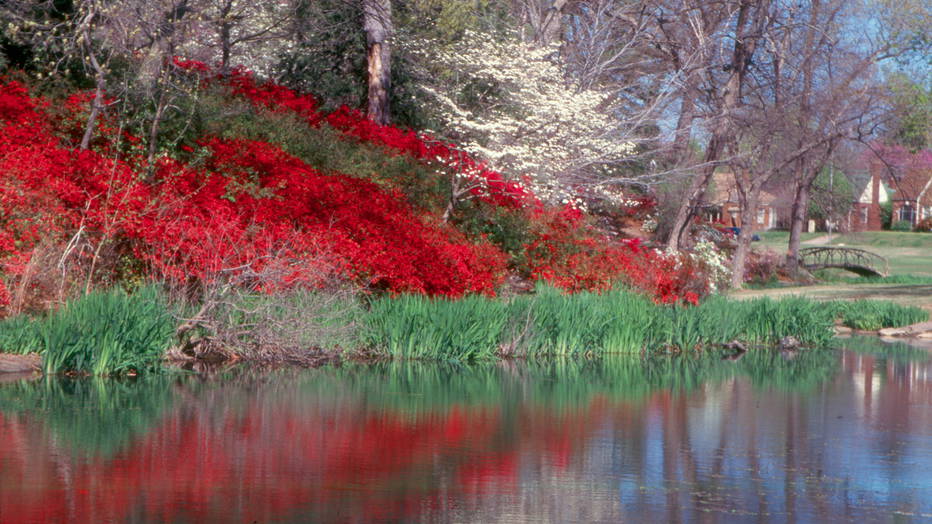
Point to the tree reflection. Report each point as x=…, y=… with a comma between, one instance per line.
x=819, y=436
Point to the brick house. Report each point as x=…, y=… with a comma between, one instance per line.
x=722, y=204
x=909, y=177
x=869, y=193
x=912, y=195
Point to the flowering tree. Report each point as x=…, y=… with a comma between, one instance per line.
x=512, y=104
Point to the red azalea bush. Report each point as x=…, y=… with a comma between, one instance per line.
x=493, y=187
x=253, y=194
x=248, y=208
x=564, y=251
x=50, y=193
x=572, y=258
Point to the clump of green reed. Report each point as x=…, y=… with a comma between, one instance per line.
x=718, y=320
x=871, y=315
x=616, y=321
x=20, y=334
x=550, y=323
x=108, y=332
x=767, y=321
x=634, y=322
x=102, y=333
x=413, y=326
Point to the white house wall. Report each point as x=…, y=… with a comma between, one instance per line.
x=867, y=196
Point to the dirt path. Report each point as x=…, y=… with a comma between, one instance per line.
x=822, y=240
x=910, y=295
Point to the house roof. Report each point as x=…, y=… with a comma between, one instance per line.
x=859, y=181
x=723, y=190
x=914, y=184
x=862, y=188
x=910, y=180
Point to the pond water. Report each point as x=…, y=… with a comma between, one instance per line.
x=827, y=436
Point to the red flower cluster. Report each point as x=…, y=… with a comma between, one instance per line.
x=273, y=96
x=250, y=209
x=566, y=254
x=48, y=191
x=641, y=205
x=495, y=188
x=254, y=205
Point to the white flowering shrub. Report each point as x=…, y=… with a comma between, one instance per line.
x=511, y=104
x=649, y=225
x=714, y=263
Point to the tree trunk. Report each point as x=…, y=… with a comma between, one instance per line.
x=805, y=177
x=225, y=29
x=693, y=195
x=97, y=105
x=225, y=46
x=551, y=28
x=722, y=133
x=682, y=156
x=377, y=23
x=748, y=222
x=798, y=219
x=684, y=127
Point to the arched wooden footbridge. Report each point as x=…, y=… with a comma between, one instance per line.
x=864, y=263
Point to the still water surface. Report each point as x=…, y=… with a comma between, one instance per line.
x=829, y=436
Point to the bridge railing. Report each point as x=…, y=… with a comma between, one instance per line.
x=844, y=257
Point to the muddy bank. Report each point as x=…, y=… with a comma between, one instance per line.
x=920, y=330
x=208, y=356
x=20, y=364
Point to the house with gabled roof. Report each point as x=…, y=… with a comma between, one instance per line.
x=912, y=196
x=909, y=177
x=722, y=204
x=869, y=193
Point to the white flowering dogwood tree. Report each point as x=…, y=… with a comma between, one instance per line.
x=512, y=104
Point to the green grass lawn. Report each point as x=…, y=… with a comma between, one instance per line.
x=882, y=239
x=908, y=253
x=777, y=240
x=903, y=294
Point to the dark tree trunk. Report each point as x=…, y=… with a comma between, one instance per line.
x=748, y=222
x=225, y=30
x=723, y=132
x=798, y=219
x=693, y=195
x=225, y=46
x=377, y=23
